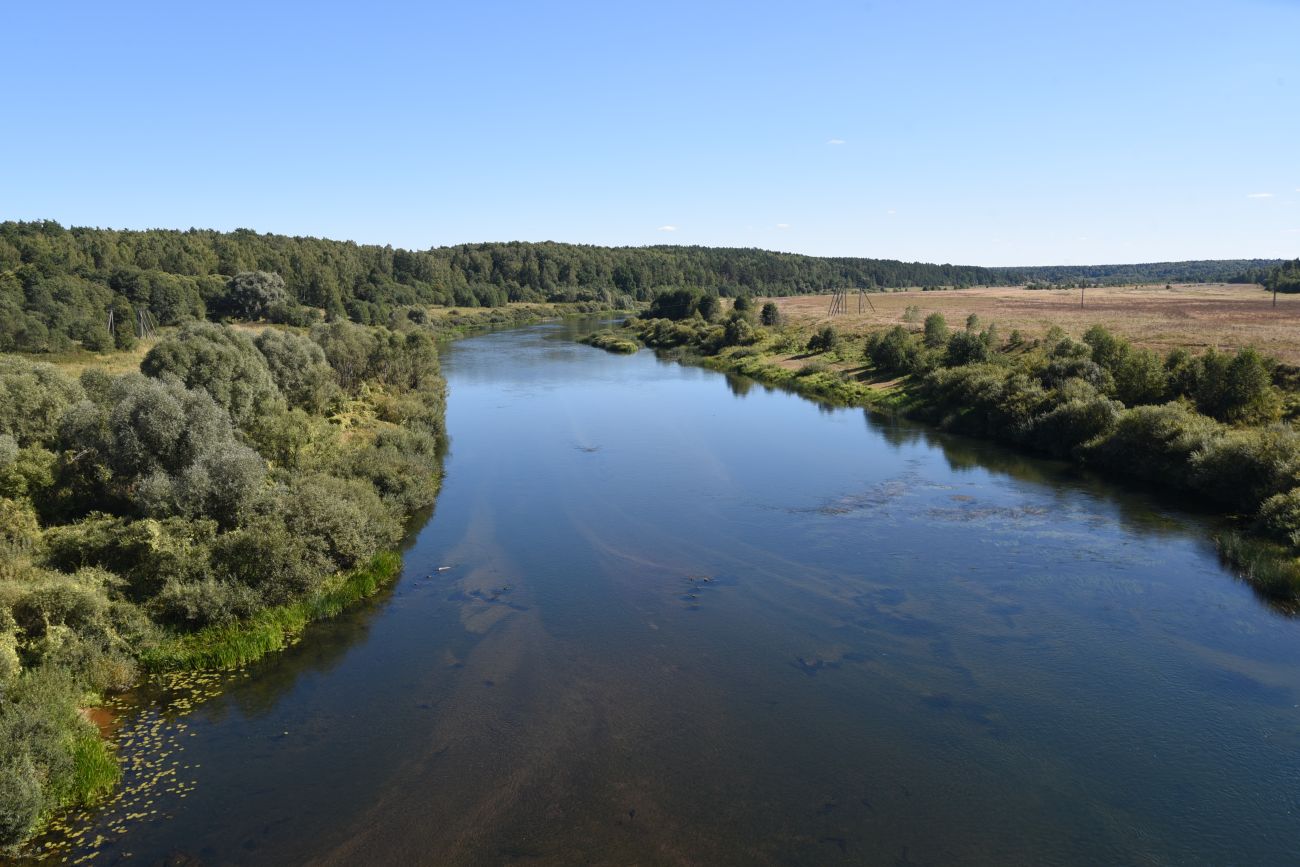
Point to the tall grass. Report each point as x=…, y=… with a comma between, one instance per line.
x=236, y=644
x=94, y=770
x=1269, y=567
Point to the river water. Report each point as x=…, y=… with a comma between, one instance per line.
x=690, y=620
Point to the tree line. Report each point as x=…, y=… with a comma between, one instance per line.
x=60, y=286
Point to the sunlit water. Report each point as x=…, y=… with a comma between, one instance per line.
x=692, y=620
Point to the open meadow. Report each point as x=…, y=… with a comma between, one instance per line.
x=1194, y=316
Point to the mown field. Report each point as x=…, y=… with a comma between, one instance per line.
x=1193, y=316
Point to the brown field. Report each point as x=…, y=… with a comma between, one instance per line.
x=1196, y=316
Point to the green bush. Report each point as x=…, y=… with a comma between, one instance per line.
x=824, y=340
x=966, y=347
x=936, y=330
x=1080, y=415
x=894, y=351
x=1279, y=517
x=33, y=397
x=1243, y=468
x=194, y=604
x=1140, y=378
x=1156, y=443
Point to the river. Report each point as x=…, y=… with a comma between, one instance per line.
x=691, y=620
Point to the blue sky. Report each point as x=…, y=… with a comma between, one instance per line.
x=978, y=133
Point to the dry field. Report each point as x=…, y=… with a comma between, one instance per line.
x=1195, y=316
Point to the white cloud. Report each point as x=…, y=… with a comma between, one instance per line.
x=1260, y=196
x=666, y=229
x=891, y=211
x=783, y=225
x=836, y=141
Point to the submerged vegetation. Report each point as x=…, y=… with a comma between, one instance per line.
x=1216, y=425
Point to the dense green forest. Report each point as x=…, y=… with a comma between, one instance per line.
x=59, y=286
x=1282, y=278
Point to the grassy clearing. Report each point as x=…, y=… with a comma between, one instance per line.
x=114, y=363
x=237, y=644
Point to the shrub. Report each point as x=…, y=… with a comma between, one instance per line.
x=811, y=368
x=894, y=351
x=265, y=555
x=1156, y=443
x=1245, y=467
x=298, y=368
x=146, y=554
x=1279, y=517
x=738, y=332
x=223, y=363
x=936, y=330
x=33, y=397
x=1140, y=378
x=983, y=399
x=193, y=605
x=965, y=347
x=824, y=340
x=1183, y=373
x=1237, y=389
x=1108, y=351
x=344, y=518
x=770, y=315
x=709, y=308
x=1079, y=416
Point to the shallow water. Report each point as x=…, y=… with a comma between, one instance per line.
x=693, y=620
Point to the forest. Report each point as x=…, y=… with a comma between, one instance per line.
x=61, y=287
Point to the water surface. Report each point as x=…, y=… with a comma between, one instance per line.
x=693, y=620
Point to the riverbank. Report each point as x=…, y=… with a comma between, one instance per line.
x=1215, y=426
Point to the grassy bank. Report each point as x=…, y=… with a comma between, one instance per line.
x=1215, y=425
x=236, y=644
